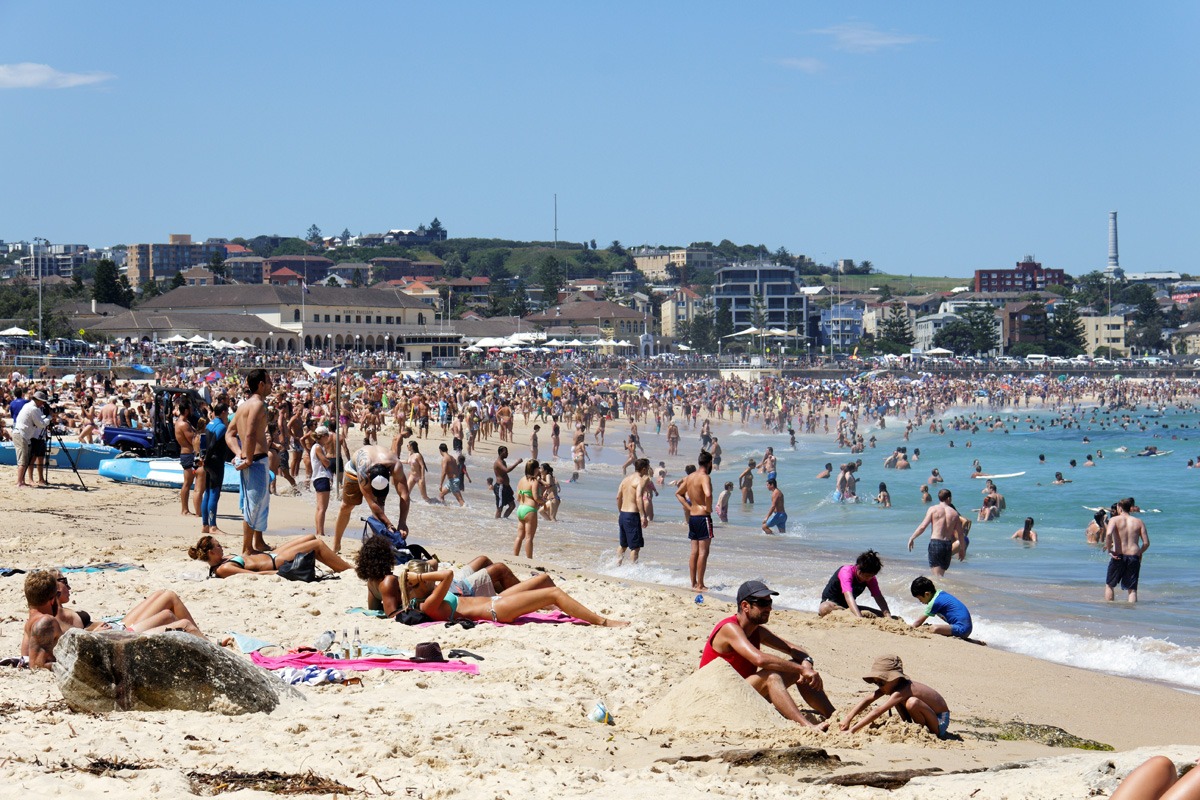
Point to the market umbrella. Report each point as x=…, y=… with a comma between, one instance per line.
x=176, y=339
x=197, y=339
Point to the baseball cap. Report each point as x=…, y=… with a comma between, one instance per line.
x=40, y=395
x=751, y=589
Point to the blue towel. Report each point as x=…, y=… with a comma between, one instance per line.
x=366, y=611
x=110, y=566
x=248, y=644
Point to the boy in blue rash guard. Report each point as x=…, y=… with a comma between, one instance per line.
x=944, y=605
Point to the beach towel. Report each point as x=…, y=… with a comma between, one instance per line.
x=365, y=611
x=310, y=676
x=301, y=660
x=108, y=566
x=248, y=644
x=535, y=618
x=8, y=572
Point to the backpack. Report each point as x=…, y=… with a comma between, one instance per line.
x=301, y=568
x=401, y=549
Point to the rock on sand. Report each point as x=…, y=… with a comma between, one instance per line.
x=104, y=672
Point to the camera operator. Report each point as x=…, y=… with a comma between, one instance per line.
x=27, y=436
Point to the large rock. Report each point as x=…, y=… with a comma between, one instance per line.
x=117, y=671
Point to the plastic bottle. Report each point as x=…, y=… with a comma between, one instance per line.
x=356, y=646
x=324, y=642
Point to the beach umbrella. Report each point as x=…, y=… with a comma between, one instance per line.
x=473, y=349
x=575, y=343
x=14, y=331
x=142, y=368
x=628, y=387
x=493, y=349
x=213, y=376
x=198, y=339
x=176, y=339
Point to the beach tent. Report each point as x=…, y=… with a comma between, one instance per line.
x=198, y=339
x=176, y=339
x=15, y=331
x=554, y=343
x=939, y=351
x=751, y=331
x=575, y=343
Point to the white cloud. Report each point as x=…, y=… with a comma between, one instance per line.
x=810, y=65
x=860, y=38
x=44, y=76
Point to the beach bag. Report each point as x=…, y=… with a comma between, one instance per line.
x=401, y=549
x=301, y=568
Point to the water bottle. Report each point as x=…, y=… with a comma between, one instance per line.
x=345, y=644
x=356, y=646
x=324, y=642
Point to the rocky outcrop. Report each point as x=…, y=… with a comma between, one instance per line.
x=117, y=671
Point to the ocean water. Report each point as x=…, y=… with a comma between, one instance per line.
x=1045, y=600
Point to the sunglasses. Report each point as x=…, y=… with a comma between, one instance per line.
x=761, y=602
x=63, y=581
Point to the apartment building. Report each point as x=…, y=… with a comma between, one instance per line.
x=774, y=289
x=161, y=262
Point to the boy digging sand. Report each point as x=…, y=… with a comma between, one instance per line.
x=915, y=702
x=944, y=605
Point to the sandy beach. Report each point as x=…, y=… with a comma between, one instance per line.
x=519, y=728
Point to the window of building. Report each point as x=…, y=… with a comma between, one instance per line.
x=378, y=320
x=295, y=315
x=317, y=318
x=358, y=319
x=420, y=318
x=389, y=320
x=327, y=318
x=336, y=318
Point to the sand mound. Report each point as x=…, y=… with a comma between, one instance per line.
x=715, y=698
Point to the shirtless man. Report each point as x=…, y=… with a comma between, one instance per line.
x=501, y=487
x=43, y=628
x=370, y=474
x=247, y=438
x=451, y=479
x=740, y=639
x=947, y=530
x=767, y=465
x=185, y=436
x=696, y=497
x=417, y=470
x=456, y=434
x=776, y=517
x=1125, y=540
x=533, y=443
x=631, y=455
x=631, y=508
x=108, y=413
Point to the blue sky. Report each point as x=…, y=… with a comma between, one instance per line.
x=928, y=138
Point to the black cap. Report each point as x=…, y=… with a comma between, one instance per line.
x=751, y=589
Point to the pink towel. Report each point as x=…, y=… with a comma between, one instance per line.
x=300, y=660
x=536, y=617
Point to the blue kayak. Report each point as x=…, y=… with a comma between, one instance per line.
x=85, y=456
x=162, y=473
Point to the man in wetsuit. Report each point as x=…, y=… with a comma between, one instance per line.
x=739, y=640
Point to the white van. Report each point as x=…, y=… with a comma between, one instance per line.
x=1037, y=359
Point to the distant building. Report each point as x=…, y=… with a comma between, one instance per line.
x=1022, y=322
x=1104, y=331
x=1159, y=280
x=1029, y=275
x=311, y=269
x=653, y=262
x=928, y=326
x=245, y=269
x=199, y=276
x=617, y=321
x=772, y=288
x=679, y=308
x=160, y=262
x=56, y=259
x=841, y=324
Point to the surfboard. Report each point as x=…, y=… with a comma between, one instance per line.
x=845, y=453
x=85, y=456
x=160, y=473
x=1001, y=475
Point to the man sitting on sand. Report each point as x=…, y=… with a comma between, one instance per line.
x=739, y=640
x=161, y=611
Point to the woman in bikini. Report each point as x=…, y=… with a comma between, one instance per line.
x=443, y=605
x=480, y=578
x=529, y=499
x=209, y=550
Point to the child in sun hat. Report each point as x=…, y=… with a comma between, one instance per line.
x=915, y=702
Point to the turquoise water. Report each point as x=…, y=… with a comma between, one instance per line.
x=1044, y=600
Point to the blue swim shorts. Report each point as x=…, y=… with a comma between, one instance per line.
x=777, y=520
x=943, y=724
x=256, y=495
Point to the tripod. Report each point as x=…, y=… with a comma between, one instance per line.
x=63, y=447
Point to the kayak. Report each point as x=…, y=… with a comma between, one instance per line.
x=162, y=473
x=85, y=456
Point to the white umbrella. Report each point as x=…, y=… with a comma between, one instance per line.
x=15, y=331
x=574, y=343
x=554, y=343
x=624, y=343
x=474, y=349
x=751, y=331
x=684, y=347
x=198, y=339
x=243, y=344
x=176, y=339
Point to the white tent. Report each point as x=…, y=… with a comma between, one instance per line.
x=624, y=343
x=939, y=351
x=198, y=339
x=684, y=348
x=554, y=343
x=474, y=349
x=574, y=343
x=242, y=344
x=15, y=331
x=751, y=331
x=176, y=339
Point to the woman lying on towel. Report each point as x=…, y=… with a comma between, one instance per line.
x=209, y=550
x=480, y=578
x=443, y=605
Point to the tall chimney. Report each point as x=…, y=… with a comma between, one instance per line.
x=1113, y=261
